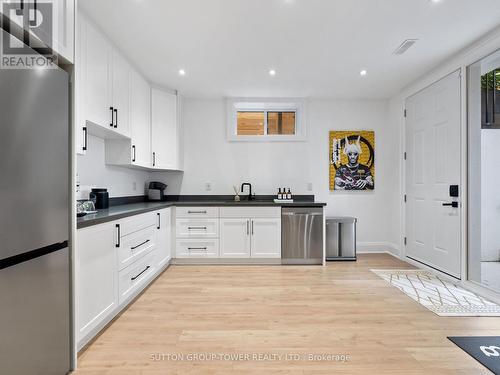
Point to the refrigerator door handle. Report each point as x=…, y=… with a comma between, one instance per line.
x=85, y=138
x=116, y=117
x=118, y=235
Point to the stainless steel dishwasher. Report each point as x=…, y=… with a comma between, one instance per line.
x=302, y=235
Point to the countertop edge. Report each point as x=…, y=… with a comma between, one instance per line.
x=86, y=222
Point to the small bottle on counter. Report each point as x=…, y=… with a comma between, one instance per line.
x=280, y=196
x=289, y=194
x=284, y=193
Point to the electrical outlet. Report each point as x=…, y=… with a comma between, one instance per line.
x=309, y=186
x=134, y=186
x=208, y=186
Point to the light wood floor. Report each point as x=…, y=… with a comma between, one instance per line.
x=339, y=309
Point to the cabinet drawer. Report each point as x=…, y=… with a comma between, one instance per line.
x=135, y=246
x=197, y=248
x=250, y=212
x=132, y=278
x=197, y=212
x=197, y=228
x=136, y=223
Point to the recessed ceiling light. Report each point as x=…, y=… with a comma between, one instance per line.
x=435, y=1
x=363, y=73
x=182, y=72
x=272, y=72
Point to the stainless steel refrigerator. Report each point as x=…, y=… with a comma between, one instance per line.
x=34, y=222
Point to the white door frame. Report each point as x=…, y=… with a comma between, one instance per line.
x=463, y=175
x=483, y=47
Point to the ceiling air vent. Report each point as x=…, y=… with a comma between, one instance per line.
x=405, y=46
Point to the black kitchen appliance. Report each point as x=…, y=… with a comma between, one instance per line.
x=100, y=197
x=156, y=191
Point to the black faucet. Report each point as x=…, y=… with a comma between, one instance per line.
x=250, y=196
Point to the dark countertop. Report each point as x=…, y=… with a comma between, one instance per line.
x=131, y=209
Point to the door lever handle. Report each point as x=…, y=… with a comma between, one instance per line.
x=451, y=204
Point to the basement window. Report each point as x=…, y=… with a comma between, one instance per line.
x=258, y=120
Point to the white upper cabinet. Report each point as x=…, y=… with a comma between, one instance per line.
x=164, y=130
x=65, y=37
x=120, y=79
x=105, y=81
x=140, y=121
x=95, y=64
x=115, y=102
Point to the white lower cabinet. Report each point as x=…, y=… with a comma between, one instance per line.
x=136, y=275
x=265, y=238
x=197, y=248
x=96, y=276
x=235, y=238
x=241, y=232
x=113, y=263
x=136, y=245
x=164, y=240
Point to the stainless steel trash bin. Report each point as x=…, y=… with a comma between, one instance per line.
x=341, y=238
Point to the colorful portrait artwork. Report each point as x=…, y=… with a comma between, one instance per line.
x=352, y=160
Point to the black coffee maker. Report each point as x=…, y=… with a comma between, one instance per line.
x=100, y=197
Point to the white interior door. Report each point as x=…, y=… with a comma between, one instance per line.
x=432, y=166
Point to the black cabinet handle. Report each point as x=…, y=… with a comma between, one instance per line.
x=116, y=117
x=200, y=228
x=35, y=19
x=143, y=243
x=154, y=159
x=119, y=234
x=20, y=11
x=197, y=248
x=135, y=277
x=133, y=150
x=85, y=133
x=112, y=117
x=451, y=204
x=159, y=220
x=252, y=227
x=197, y=212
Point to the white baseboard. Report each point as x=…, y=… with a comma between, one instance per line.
x=378, y=248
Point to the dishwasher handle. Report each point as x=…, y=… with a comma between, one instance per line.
x=302, y=214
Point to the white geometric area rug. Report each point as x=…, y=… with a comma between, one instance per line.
x=442, y=297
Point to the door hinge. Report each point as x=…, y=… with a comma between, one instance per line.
x=404, y=113
x=405, y=241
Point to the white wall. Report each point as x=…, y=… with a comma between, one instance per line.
x=490, y=199
x=94, y=173
x=210, y=158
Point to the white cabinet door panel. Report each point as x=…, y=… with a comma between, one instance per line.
x=265, y=238
x=164, y=129
x=235, y=238
x=164, y=247
x=197, y=248
x=197, y=228
x=95, y=277
x=140, y=127
x=121, y=93
x=97, y=99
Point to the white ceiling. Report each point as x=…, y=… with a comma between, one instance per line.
x=317, y=47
